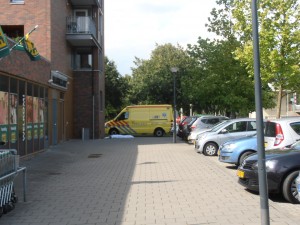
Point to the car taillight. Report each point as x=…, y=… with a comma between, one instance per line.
x=193, y=127
x=279, y=135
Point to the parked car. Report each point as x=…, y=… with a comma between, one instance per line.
x=287, y=131
x=186, y=126
x=203, y=123
x=235, y=151
x=282, y=168
x=181, y=125
x=180, y=118
x=282, y=132
x=208, y=142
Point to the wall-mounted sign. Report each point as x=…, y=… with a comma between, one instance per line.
x=58, y=79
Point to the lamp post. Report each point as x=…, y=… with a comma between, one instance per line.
x=174, y=70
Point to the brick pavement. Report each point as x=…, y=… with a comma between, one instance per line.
x=140, y=181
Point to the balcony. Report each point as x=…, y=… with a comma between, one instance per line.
x=81, y=32
x=85, y=2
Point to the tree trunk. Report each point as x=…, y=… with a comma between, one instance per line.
x=279, y=97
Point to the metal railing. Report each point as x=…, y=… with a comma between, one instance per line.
x=81, y=25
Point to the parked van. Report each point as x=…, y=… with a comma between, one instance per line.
x=138, y=120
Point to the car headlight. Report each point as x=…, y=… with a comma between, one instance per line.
x=228, y=147
x=270, y=164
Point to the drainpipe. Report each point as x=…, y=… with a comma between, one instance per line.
x=93, y=97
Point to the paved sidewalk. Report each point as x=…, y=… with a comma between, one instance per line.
x=139, y=181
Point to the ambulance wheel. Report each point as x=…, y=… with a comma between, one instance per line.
x=113, y=131
x=159, y=132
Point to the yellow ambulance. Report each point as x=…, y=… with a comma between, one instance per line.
x=140, y=120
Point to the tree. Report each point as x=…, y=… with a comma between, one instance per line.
x=224, y=85
x=116, y=88
x=152, y=80
x=279, y=36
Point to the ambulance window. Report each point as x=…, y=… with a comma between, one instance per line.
x=123, y=116
x=126, y=115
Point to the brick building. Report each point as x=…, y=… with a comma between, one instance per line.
x=61, y=95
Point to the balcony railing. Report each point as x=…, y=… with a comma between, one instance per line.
x=81, y=25
x=85, y=2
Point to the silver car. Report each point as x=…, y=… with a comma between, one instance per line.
x=208, y=142
x=202, y=124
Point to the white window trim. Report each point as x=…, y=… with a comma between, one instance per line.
x=17, y=2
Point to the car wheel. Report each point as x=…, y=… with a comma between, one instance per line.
x=113, y=131
x=159, y=132
x=289, y=189
x=243, y=156
x=210, y=149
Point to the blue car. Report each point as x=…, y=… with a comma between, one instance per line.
x=235, y=151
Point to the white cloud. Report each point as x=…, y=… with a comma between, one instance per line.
x=133, y=27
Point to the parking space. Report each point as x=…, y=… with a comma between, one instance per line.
x=138, y=181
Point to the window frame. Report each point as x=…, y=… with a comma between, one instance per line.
x=17, y=1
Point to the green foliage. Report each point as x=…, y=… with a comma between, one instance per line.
x=152, y=80
x=116, y=88
x=279, y=35
x=223, y=84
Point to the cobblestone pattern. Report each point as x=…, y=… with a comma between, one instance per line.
x=140, y=181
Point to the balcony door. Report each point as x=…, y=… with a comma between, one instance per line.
x=81, y=16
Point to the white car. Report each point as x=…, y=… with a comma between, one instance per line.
x=282, y=132
x=209, y=142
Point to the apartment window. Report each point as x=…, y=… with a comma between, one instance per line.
x=13, y=31
x=82, y=59
x=17, y=1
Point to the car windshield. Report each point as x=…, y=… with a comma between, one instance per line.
x=220, y=124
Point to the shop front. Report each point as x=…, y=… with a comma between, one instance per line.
x=23, y=115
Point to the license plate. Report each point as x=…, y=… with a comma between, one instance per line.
x=240, y=174
x=219, y=152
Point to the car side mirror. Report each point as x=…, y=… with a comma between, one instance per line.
x=224, y=131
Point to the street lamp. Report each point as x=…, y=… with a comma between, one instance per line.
x=174, y=70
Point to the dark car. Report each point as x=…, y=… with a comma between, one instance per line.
x=186, y=127
x=282, y=168
x=182, y=124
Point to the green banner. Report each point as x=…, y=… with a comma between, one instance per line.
x=41, y=130
x=29, y=132
x=36, y=131
x=13, y=134
x=4, y=47
x=31, y=50
x=4, y=133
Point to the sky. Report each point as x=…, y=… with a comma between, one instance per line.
x=134, y=27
